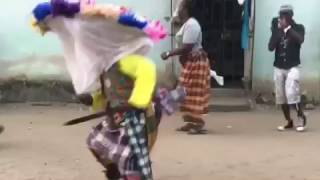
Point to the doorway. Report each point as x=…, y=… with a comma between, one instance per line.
x=221, y=22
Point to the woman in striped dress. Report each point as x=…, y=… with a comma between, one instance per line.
x=195, y=76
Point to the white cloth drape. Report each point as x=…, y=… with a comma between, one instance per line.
x=92, y=45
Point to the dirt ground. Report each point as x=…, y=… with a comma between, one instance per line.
x=240, y=146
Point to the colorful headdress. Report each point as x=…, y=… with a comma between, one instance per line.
x=121, y=15
x=95, y=37
x=41, y=11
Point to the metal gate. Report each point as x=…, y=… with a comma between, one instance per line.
x=221, y=22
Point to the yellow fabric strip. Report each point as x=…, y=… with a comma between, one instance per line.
x=99, y=101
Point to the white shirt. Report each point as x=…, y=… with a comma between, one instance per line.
x=190, y=33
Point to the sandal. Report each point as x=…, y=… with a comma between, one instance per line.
x=197, y=129
x=190, y=119
x=185, y=128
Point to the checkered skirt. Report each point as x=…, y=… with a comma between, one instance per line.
x=195, y=78
x=127, y=146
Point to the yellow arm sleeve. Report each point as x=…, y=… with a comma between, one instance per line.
x=99, y=101
x=143, y=72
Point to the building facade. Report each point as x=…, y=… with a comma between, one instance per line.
x=25, y=55
x=306, y=13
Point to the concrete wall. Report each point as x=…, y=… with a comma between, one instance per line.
x=25, y=56
x=22, y=51
x=306, y=12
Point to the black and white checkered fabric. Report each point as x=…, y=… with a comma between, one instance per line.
x=112, y=146
x=135, y=123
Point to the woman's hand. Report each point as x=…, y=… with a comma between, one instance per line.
x=165, y=55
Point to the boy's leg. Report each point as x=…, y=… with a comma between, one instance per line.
x=294, y=97
x=281, y=99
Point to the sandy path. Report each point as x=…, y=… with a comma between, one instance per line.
x=240, y=146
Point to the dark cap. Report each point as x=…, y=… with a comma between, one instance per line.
x=286, y=9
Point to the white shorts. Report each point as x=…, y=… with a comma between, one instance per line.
x=287, y=85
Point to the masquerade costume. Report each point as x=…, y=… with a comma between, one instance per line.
x=110, y=41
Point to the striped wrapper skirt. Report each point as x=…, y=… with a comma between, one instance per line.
x=195, y=78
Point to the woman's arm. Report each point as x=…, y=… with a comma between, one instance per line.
x=191, y=33
x=185, y=49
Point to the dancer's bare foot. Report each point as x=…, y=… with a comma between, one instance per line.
x=197, y=129
x=1, y=129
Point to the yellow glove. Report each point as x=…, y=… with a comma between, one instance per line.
x=143, y=72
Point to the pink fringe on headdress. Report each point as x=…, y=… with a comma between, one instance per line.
x=155, y=31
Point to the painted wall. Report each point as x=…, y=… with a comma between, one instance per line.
x=25, y=54
x=306, y=12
